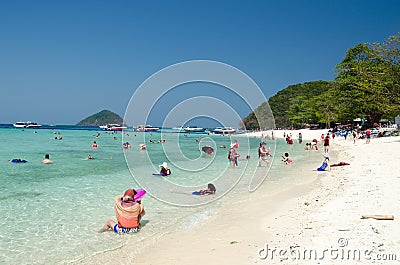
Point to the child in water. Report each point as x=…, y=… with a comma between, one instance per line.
x=287, y=159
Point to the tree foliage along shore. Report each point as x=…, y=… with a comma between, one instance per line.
x=103, y=117
x=367, y=84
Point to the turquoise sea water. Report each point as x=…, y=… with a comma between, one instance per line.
x=50, y=214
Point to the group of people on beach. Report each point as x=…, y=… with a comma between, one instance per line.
x=129, y=211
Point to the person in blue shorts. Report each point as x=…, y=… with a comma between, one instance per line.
x=210, y=190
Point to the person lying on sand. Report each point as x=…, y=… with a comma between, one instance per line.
x=209, y=191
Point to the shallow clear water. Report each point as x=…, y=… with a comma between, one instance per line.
x=51, y=213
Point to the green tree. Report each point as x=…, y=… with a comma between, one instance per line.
x=367, y=81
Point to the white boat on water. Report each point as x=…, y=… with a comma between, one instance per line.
x=145, y=128
x=177, y=128
x=26, y=124
x=113, y=127
x=224, y=130
x=194, y=129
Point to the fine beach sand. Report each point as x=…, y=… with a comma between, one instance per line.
x=322, y=214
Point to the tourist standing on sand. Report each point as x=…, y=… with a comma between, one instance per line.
x=354, y=137
x=326, y=144
x=300, y=138
x=368, y=136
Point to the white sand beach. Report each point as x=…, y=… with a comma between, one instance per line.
x=321, y=217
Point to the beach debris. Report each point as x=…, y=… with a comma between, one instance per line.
x=306, y=203
x=233, y=242
x=375, y=230
x=294, y=246
x=378, y=217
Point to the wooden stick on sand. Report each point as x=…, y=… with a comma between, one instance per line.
x=378, y=217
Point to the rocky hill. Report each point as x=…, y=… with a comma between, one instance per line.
x=101, y=118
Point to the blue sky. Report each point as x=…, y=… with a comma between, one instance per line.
x=61, y=61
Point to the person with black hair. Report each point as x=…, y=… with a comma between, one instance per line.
x=210, y=190
x=287, y=159
x=46, y=159
x=263, y=154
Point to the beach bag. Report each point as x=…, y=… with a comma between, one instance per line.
x=322, y=167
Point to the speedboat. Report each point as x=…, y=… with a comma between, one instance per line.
x=224, y=130
x=26, y=124
x=194, y=129
x=145, y=128
x=113, y=127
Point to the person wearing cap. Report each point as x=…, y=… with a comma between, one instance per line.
x=128, y=212
x=165, y=170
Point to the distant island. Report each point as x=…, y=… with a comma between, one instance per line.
x=103, y=117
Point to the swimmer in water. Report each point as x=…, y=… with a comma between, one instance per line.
x=287, y=159
x=46, y=159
